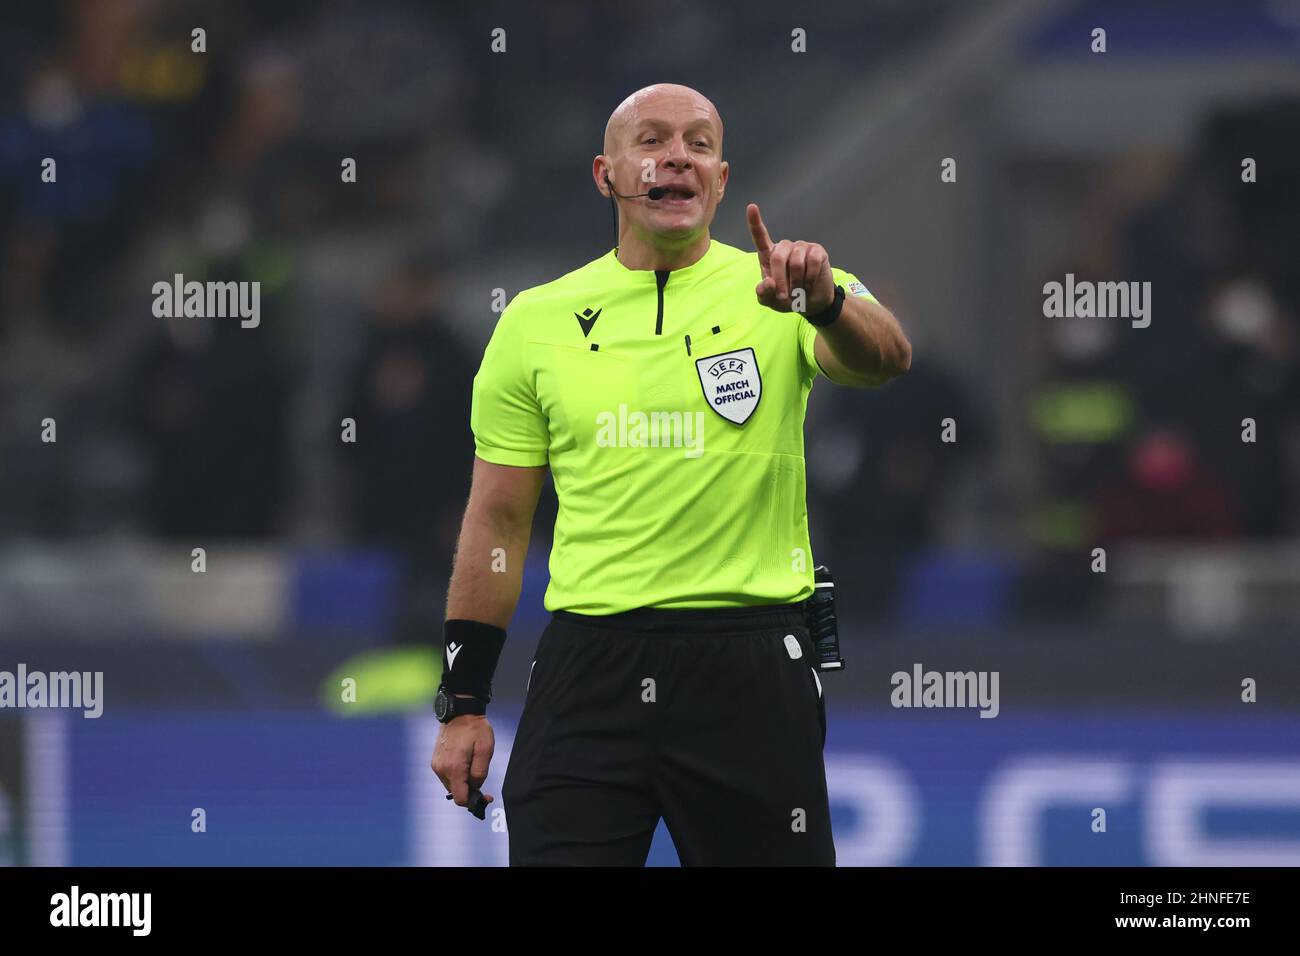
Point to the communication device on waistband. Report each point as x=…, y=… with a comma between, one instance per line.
x=819, y=610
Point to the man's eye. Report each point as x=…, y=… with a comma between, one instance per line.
x=650, y=139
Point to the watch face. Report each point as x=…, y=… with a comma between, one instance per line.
x=441, y=704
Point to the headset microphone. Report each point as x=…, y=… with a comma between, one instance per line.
x=656, y=192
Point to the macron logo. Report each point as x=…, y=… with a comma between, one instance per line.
x=452, y=651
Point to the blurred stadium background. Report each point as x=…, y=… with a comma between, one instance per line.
x=327, y=560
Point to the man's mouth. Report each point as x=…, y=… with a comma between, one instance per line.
x=677, y=195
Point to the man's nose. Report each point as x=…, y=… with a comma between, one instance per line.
x=677, y=154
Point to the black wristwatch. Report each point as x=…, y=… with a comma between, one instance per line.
x=446, y=706
x=831, y=312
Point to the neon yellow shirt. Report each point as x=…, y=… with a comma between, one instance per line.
x=670, y=408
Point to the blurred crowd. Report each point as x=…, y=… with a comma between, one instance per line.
x=1187, y=430
x=226, y=166
x=207, y=139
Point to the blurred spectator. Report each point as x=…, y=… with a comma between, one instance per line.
x=64, y=238
x=408, y=470
x=879, y=476
x=1249, y=371
x=1080, y=414
x=209, y=402
x=1165, y=492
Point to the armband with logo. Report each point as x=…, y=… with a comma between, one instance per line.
x=470, y=653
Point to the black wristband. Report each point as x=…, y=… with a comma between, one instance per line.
x=470, y=650
x=831, y=312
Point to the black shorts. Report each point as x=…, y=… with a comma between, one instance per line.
x=711, y=719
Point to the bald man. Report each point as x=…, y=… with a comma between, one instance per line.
x=664, y=385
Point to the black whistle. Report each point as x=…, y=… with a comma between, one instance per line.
x=476, y=805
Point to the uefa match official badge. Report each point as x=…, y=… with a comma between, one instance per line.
x=731, y=382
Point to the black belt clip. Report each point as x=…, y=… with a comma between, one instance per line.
x=819, y=612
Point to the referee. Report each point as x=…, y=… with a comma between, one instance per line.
x=665, y=385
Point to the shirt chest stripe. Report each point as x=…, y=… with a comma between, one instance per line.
x=661, y=280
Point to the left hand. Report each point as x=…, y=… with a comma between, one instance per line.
x=788, y=266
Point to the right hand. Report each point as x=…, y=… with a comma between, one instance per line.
x=462, y=754
x=787, y=266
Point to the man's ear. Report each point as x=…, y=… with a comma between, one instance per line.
x=600, y=171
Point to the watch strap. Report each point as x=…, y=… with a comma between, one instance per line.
x=447, y=705
x=831, y=312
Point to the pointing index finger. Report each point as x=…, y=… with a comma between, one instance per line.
x=758, y=232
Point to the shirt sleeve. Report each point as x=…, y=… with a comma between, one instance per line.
x=808, y=331
x=507, y=420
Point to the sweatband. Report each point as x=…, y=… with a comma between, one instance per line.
x=470, y=650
